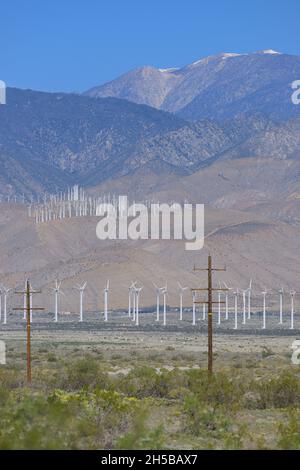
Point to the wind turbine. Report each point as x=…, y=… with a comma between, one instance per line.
x=204, y=311
x=6, y=291
x=130, y=297
x=194, y=308
x=292, y=293
x=182, y=289
x=24, y=303
x=280, y=306
x=81, y=292
x=236, y=293
x=56, y=291
x=264, y=293
x=137, y=295
x=249, y=299
x=226, y=300
x=219, y=305
x=164, y=293
x=244, y=305
x=105, y=292
x=159, y=290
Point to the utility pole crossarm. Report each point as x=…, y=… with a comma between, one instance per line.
x=206, y=289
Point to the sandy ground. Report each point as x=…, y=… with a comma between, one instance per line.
x=177, y=344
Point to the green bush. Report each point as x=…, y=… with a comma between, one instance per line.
x=278, y=392
x=63, y=420
x=290, y=432
x=82, y=373
x=219, y=388
x=204, y=419
x=147, y=382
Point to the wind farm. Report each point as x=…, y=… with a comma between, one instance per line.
x=149, y=230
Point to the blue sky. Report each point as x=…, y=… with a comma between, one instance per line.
x=72, y=45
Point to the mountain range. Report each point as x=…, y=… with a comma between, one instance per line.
x=168, y=121
x=216, y=87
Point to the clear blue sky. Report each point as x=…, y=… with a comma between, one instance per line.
x=72, y=45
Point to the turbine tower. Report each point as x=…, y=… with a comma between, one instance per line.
x=249, y=299
x=130, y=297
x=236, y=293
x=81, y=292
x=219, y=305
x=226, y=300
x=264, y=293
x=105, y=292
x=56, y=291
x=292, y=293
x=24, y=303
x=137, y=296
x=159, y=290
x=281, y=292
x=244, y=305
x=164, y=292
x=182, y=289
x=6, y=291
x=194, y=308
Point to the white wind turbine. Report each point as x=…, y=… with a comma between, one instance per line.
x=236, y=293
x=182, y=289
x=159, y=290
x=105, y=293
x=137, y=292
x=24, y=304
x=56, y=291
x=226, y=300
x=31, y=309
x=244, y=305
x=81, y=293
x=194, y=308
x=204, y=311
x=292, y=293
x=219, y=304
x=249, y=299
x=130, y=297
x=281, y=292
x=164, y=292
x=6, y=290
x=264, y=293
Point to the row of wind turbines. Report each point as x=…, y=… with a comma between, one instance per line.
x=134, y=292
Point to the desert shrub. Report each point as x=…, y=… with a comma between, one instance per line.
x=64, y=420
x=219, y=388
x=147, y=382
x=82, y=373
x=10, y=378
x=278, y=392
x=289, y=433
x=266, y=352
x=141, y=437
x=205, y=419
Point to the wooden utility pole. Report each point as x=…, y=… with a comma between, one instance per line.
x=210, y=304
x=28, y=292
